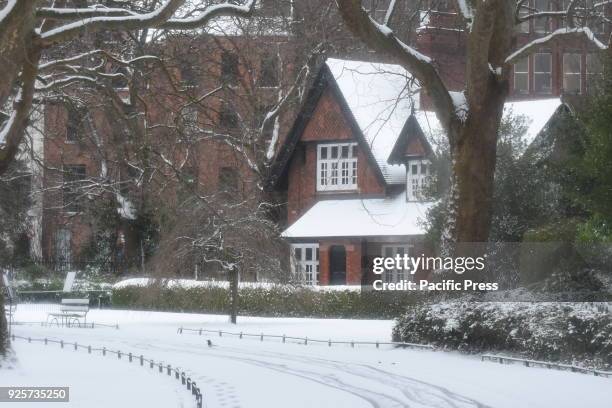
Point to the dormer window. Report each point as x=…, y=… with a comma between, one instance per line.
x=337, y=166
x=418, y=179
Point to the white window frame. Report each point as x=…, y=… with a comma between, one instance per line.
x=526, y=73
x=336, y=173
x=306, y=270
x=567, y=74
x=523, y=27
x=396, y=275
x=536, y=72
x=545, y=20
x=590, y=74
x=417, y=183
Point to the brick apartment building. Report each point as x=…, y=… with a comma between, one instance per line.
x=375, y=200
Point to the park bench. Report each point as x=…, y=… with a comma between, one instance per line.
x=72, y=311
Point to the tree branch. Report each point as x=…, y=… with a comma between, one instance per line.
x=580, y=32
x=160, y=18
x=382, y=39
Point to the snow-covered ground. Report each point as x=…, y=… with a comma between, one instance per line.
x=248, y=373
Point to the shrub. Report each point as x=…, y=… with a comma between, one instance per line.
x=274, y=300
x=546, y=331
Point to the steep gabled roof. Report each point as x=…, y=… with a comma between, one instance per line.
x=375, y=100
x=411, y=136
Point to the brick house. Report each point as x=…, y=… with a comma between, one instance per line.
x=354, y=170
x=356, y=167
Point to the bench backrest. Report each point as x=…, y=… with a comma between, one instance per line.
x=8, y=289
x=75, y=305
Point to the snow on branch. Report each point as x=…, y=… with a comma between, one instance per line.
x=557, y=34
x=382, y=39
x=7, y=9
x=466, y=9
x=160, y=18
x=54, y=13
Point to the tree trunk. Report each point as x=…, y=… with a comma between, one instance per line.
x=4, y=338
x=473, y=153
x=234, y=277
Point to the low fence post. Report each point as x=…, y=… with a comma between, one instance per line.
x=75, y=345
x=283, y=338
x=169, y=368
x=130, y=357
x=88, y=349
x=141, y=360
x=103, y=351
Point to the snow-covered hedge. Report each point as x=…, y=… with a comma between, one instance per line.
x=545, y=331
x=260, y=299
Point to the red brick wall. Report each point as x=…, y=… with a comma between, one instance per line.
x=326, y=124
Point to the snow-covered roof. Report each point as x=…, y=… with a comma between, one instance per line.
x=372, y=217
x=537, y=112
x=379, y=97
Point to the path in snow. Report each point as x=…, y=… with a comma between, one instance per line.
x=236, y=373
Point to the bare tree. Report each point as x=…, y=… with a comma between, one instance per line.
x=30, y=31
x=471, y=118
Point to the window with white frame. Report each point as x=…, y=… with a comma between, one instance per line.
x=396, y=275
x=336, y=166
x=418, y=179
x=521, y=76
x=593, y=69
x=572, y=64
x=542, y=24
x=524, y=12
x=542, y=73
x=305, y=262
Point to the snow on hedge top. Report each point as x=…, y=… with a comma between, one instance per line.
x=379, y=97
x=371, y=217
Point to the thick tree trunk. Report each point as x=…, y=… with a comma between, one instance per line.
x=15, y=32
x=234, y=277
x=473, y=154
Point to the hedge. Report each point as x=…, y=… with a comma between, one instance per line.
x=274, y=301
x=544, y=331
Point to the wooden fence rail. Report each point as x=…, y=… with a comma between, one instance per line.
x=535, y=363
x=304, y=340
x=130, y=357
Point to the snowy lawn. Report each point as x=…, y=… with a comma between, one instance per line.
x=248, y=373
